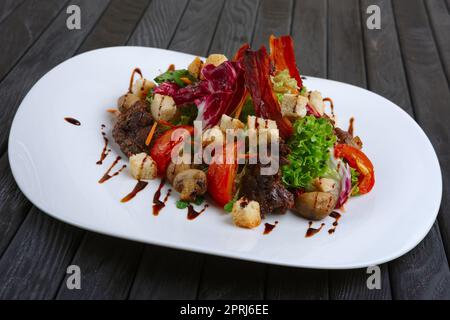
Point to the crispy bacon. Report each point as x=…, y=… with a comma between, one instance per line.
x=257, y=67
x=283, y=56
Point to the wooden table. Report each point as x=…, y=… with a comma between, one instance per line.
x=407, y=61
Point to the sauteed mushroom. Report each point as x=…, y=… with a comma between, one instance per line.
x=190, y=183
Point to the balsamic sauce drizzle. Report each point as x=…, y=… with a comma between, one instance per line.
x=192, y=213
x=140, y=185
x=312, y=231
x=107, y=174
x=336, y=216
x=105, y=150
x=269, y=227
x=157, y=203
x=73, y=121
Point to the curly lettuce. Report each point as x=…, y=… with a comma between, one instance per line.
x=310, y=151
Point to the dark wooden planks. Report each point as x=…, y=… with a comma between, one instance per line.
x=35, y=260
x=423, y=273
x=8, y=6
x=419, y=273
x=54, y=46
x=197, y=26
x=19, y=31
x=238, y=19
x=294, y=283
x=429, y=91
x=346, y=63
x=232, y=279
x=13, y=205
x=107, y=265
x=310, y=48
x=440, y=21
x=167, y=274
x=116, y=25
x=274, y=17
x=158, y=23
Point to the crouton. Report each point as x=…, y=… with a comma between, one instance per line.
x=195, y=67
x=227, y=122
x=142, y=167
x=216, y=59
x=212, y=135
x=163, y=107
x=316, y=101
x=141, y=87
x=246, y=214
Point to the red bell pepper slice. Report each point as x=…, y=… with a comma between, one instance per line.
x=283, y=56
x=359, y=161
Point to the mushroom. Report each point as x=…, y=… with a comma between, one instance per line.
x=315, y=205
x=175, y=168
x=190, y=183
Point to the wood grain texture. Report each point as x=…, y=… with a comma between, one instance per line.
x=417, y=273
x=107, y=265
x=197, y=26
x=13, y=205
x=274, y=17
x=440, y=21
x=7, y=7
x=53, y=47
x=235, y=26
x=293, y=283
x=385, y=72
x=429, y=91
x=19, y=31
x=116, y=25
x=158, y=23
x=232, y=279
x=346, y=63
x=310, y=48
x=35, y=262
x=167, y=274
x=345, y=45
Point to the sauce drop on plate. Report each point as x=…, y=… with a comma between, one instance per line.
x=73, y=121
x=140, y=185
x=312, y=231
x=268, y=227
x=336, y=216
x=192, y=213
x=157, y=203
x=107, y=174
x=105, y=150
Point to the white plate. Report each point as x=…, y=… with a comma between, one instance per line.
x=53, y=163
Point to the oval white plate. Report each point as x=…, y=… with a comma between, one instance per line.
x=54, y=164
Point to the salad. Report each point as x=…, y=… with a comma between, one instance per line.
x=245, y=132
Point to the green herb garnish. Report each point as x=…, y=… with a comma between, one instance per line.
x=175, y=76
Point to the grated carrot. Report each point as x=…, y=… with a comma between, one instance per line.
x=185, y=80
x=151, y=133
